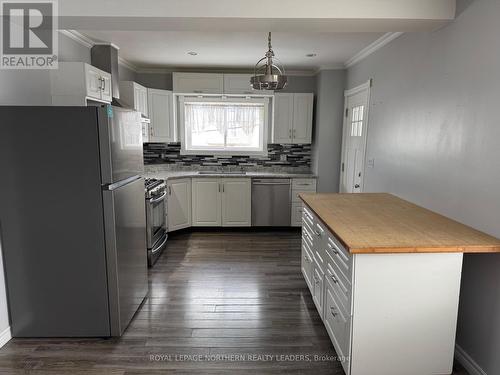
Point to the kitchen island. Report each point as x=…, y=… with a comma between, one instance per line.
x=385, y=275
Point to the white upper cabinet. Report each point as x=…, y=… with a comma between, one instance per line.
x=135, y=95
x=240, y=84
x=198, y=83
x=160, y=110
x=73, y=83
x=302, y=118
x=283, y=118
x=293, y=115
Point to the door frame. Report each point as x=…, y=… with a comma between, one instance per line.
x=348, y=93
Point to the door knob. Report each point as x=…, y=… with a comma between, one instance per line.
x=356, y=186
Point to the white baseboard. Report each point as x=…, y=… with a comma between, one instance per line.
x=5, y=336
x=466, y=360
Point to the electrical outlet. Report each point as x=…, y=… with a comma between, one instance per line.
x=283, y=157
x=371, y=163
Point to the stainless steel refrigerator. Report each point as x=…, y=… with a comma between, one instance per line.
x=72, y=219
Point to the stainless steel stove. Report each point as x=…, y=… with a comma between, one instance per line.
x=156, y=218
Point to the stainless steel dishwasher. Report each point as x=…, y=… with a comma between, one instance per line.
x=271, y=202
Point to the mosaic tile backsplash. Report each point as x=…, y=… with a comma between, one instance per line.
x=279, y=156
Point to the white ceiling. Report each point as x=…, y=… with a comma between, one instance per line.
x=233, y=50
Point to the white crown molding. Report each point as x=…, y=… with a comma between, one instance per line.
x=219, y=70
x=376, y=45
x=78, y=37
x=127, y=64
x=466, y=360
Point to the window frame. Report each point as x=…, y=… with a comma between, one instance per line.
x=182, y=99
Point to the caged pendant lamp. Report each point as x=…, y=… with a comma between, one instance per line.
x=267, y=75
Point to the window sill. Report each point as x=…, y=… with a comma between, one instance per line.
x=225, y=153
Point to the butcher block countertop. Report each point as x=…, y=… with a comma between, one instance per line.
x=383, y=223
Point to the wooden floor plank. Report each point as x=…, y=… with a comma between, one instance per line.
x=214, y=296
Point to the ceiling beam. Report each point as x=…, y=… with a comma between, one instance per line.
x=256, y=15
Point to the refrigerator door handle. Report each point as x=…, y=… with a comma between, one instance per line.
x=119, y=184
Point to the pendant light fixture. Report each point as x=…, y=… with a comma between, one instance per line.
x=267, y=75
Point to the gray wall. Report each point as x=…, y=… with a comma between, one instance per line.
x=301, y=84
x=162, y=81
x=32, y=87
x=435, y=138
x=126, y=74
x=327, y=139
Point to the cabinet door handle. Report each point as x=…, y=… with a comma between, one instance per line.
x=334, y=279
x=317, y=233
x=335, y=251
x=219, y=187
x=332, y=310
x=103, y=84
x=223, y=188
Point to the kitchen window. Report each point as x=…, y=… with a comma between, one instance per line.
x=223, y=125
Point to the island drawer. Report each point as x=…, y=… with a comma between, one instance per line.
x=339, y=255
x=338, y=326
x=307, y=264
x=343, y=288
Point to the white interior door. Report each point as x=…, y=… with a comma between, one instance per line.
x=354, y=139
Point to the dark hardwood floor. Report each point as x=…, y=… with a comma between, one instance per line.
x=221, y=302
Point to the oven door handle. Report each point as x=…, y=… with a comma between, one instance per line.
x=157, y=248
x=156, y=200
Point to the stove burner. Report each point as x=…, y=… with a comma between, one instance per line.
x=151, y=183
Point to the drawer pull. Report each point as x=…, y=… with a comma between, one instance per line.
x=335, y=251
x=334, y=279
x=317, y=233
x=332, y=310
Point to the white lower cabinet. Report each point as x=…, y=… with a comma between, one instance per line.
x=179, y=204
x=387, y=314
x=207, y=196
x=300, y=185
x=222, y=202
x=236, y=202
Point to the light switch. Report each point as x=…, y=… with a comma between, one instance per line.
x=371, y=163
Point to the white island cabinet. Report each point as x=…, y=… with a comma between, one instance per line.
x=388, y=295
